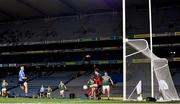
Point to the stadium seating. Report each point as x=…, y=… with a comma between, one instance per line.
x=59, y=29
x=76, y=86
x=177, y=82
x=45, y=80
x=12, y=80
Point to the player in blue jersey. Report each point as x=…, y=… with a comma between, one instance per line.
x=23, y=80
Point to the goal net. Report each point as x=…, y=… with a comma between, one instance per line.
x=138, y=72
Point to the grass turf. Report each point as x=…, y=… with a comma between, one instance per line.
x=72, y=101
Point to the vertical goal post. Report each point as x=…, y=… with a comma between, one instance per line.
x=124, y=48
x=138, y=54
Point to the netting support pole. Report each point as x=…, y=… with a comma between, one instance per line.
x=151, y=47
x=124, y=49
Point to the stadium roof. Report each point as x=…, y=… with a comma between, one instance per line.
x=26, y=9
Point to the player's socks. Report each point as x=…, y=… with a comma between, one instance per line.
x=86, y=95
x=26, y=94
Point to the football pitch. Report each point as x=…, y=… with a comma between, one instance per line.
x=73, y=101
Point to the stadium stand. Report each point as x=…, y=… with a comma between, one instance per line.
x=56, y=29
x=47, y=79
x=67, y=29
x=76, y=86
x=12, y=80
x=177, y=81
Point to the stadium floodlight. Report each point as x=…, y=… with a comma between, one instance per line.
x=88, y=56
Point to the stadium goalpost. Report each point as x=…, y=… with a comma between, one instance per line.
x=124, y=48
x=143, y=71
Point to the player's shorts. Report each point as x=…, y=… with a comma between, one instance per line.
x=4, y=90
x=48, y=93
x=104, y=87
x=61, y=91
x=94, y=85
x=21, y=83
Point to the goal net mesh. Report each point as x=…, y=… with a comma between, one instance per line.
x=138, y=68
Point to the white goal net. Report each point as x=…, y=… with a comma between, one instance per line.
x=138, y=72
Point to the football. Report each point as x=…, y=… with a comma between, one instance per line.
x=85, y=87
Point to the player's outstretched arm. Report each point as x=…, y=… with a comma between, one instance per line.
x=111, y=81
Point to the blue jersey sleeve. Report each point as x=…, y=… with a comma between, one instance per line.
x=21, y=75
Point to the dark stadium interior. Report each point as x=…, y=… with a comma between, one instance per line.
x=51, y=37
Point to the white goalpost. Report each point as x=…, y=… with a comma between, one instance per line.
x=143, y=71
x=124, y=48
x=151, y=47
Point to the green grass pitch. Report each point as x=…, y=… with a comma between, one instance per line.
x=71, y=101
